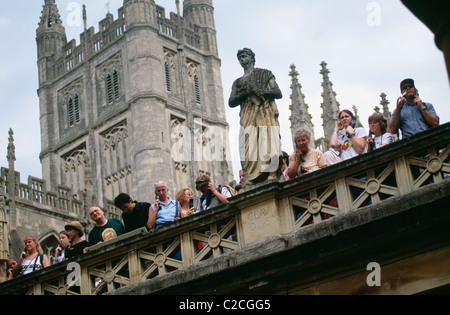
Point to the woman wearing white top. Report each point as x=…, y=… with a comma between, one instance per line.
x=31, y=258
x=347, y=139
x=378, y=128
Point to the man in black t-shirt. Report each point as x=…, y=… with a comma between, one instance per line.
x=104, y=229
x=135, y=214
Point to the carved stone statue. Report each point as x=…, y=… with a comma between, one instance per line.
x=259, y=137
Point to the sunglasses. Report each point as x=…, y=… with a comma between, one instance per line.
x=408, y=86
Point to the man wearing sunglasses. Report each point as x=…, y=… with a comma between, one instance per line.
x=412, y=115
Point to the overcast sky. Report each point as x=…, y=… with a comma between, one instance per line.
x=369, y=46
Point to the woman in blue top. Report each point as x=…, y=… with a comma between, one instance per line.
x=164, y=210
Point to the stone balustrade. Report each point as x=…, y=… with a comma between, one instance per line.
x=201, y=241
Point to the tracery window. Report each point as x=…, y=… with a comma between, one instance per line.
x=110, y=80
x=76, y=169
x=112, y=87
x=71, y=104
x=170, y=59
x=73, y=110
x=193, y=71
x=115, y=160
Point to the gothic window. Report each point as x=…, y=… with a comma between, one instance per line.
x=169, y=71
x=197, y=89
x=76, y=169
x=112, y=87
x=194, y=78
x=168, y=77
x=71, y=104
x=110, y=80
x=73, y=110
x=115, y=160
x=181, y=150
x=202, y=138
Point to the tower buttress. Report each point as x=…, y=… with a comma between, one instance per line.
x=50, y=39
x=201, y=13
x=139, y=13
x=300, y=117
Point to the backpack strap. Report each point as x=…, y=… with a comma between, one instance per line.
x=40, y=257
x=177, y=209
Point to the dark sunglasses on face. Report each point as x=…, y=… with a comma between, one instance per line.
x=409, y=86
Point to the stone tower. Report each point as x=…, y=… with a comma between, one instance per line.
x=330, y=107
x=137, y=102
x=300, y=117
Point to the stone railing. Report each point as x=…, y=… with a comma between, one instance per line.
x=34, y=192
x=396, y=171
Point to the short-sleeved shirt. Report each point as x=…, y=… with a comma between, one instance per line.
x=346, y=143
x=165, y=213
x=113, y=228
x=411, y=119
x=138, y=218
x=314, y=161
x=382, y=140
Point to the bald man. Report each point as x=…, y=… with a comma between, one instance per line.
x=104, y=229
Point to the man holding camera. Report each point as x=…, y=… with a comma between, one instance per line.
x=211, y=197
x=412, y=115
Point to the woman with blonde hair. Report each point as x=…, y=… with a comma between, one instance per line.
x=184, y=206
x=32, y=257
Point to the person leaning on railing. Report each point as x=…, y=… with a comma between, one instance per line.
x=412, y=115
x=211, y=196
x=77, y=245
x=135, y=214
x=347, y=139
x=163, y=210
x=60, y=250
x=104, y=229
x=305, y=159
x=378, y=135
x=32, y=258
x=184, y=203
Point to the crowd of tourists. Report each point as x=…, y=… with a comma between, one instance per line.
x=410, y=116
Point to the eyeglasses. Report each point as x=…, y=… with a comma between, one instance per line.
x=409, y=86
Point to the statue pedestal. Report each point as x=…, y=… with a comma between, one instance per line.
x=260, y=220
